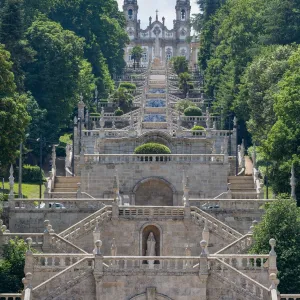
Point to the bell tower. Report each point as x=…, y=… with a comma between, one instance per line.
x=182, y=27
x=131, y=9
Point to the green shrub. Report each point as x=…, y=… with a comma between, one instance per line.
x=31, y=174
x=119, y=112
x=95, y=115
x=198, y=128
x=127, y=85
x=65, y=139
x=193, y=111
x=61, y=151
x=214, y=114
x=152, y=148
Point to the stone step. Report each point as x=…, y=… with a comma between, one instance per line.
x=62, y=179
x=236, y=190
x=66, y=185
x=240, y=180
x=67, y=189
x=242, y=186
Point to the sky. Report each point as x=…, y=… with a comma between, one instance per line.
x=166, y=9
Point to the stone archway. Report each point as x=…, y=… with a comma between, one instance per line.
x=153, y=192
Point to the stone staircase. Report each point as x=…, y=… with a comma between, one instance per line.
x=242, y=187
x=66, y=184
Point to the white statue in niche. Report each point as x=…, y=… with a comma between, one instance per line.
x=151, y=243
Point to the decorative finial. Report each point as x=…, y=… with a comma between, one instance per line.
x=203, y=245
x=272, y=243
x=157, y=14
x=97, y=250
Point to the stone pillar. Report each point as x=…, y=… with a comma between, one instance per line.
x=27, y=282
x=46, y=238
x=205, y=235
x=28, y=258
x=96, y=233
x=272, y=258
x=293, y=183
x=11, y=183
x=98, y=268
x=203, y=271
x=78, y=193
x=2, y=239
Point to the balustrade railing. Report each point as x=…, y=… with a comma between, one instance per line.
x=37, y=238
x=200, y=217
x=238, y=280
x=50, y=261
x=58, y=204
x=87, y=224
x=289, y=296
x=10, y=296
x=244, y=261
x=241, y=245
x=55, y=286
x=230, y=204
x=151, y=263
x=151, y=211
x=147, y=158
x=62, y=245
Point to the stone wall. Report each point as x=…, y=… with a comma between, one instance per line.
x=206, y=180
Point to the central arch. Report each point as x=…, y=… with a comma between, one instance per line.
x=154, y=191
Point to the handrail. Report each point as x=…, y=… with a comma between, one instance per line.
x=248, y=235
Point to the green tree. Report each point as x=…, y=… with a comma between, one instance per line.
x=184, y=79
x=180, y=64
x=13, y=115
x=12, y=34
x=54, y=76
x=183, y=104
x=136, y=54
x=123, y=98
x=12, y=266
x=281, y=222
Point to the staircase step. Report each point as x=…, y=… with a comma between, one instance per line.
x=67, y=179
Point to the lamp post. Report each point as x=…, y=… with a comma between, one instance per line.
x=20, y=171
x=73, y=146
x=96, y=98
x=41, y=162
x=235, y=123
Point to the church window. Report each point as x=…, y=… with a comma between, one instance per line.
x=130, y=14
x=169, y=54
x=183, y=14
x=144, y=57
x=183, y=52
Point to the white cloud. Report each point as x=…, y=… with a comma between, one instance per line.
x=166, y=9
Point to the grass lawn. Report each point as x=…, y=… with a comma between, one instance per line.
x=30, y=190
x=270, y=192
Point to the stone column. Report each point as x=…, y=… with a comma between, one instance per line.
x=28, y=258
x=272, y=258
x=47, y=238
x=98, y=269
x=203, y=271
x=205, y=235
x=11, y=183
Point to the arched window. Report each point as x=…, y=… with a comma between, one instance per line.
x=130, y=14
x=168, y=54
x=183, y=14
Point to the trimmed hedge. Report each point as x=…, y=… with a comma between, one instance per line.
x=193, y=111
x=31, y=174
x=198, y=128
x=127, y=85
x=152, y=148
x=95, y=115
x=119, y=112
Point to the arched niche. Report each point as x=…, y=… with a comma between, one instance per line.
x=144, y=234
x=156, y=137
x=150, y=294
x=154, y=191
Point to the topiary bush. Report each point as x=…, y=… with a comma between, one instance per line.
x=152, y=148
x=95, y=115
x=31, y=174
x=128, y=85
x=193, y=111
x=197, y=128
x=119, y=112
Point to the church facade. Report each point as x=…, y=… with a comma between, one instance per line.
x=157, y=40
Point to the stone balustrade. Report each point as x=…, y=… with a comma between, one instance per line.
x=87, y=224
x=243, y=261
x=10, y=296
x=62, y=245
x=151, y=211
x=159, y=264
x=215, y=225
x=37, y=238
x=238, y=280
x=50, y=261
x=241, y=245
x=157, y=158
x=67, y=278
x=230, y=204
x=64, y=204
x=290, y=296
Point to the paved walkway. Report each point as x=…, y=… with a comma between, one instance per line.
x=248, y=166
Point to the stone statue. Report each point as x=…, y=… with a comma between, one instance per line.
x=151, y=243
